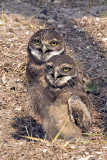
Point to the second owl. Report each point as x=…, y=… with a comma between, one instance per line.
x=43, y=45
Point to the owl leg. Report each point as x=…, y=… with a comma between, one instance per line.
x=80, y=112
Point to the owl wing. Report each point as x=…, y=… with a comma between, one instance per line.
x=35, y=85
x=31, y=72
x=79, y=111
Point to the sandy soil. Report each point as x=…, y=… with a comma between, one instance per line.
x=84, y=26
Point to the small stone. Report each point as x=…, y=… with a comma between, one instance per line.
x=75, y=27
x=27, y=33
x=81, y=30
x=104, y=39
x=44, y=150
x=88, y=157
x=56, y=1
x=97, y=19
x=99, y=34
x=105, y=146
x=2, y=22
x=51, y=21
x=99, y=152
x=88, y=47
x=17, y=80
x=73, y=147
x=79, y=48
x=4, y=79
x=60, y=26
x=18, y=108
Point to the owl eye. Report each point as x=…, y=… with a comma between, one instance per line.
x=66, y=69
x=49, y=68
x=37, y=41
x=54, y=43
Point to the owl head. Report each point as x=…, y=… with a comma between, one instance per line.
x=45, y=44
x=60, y=71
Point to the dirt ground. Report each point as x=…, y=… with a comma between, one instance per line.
x=84, y=26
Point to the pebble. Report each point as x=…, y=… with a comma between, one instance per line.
x=99, y=34
x=56, y=1
x=75, y=27
x=2, y=22
x=27, y=33
x=18, y=108
x=104, y=39
x=87, y=158
x=88, y=47
x=105, y=146
x=79, y=48
x=97, y=18
x=99, y=152
x=4, y=79
x=17, y=80
x=73, y=147
x=60, y=26
x=51, y=21
x=44, y=150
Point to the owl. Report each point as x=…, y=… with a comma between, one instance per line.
x=64, y=100
x=43, y=45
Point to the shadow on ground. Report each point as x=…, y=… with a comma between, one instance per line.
x=26, y=126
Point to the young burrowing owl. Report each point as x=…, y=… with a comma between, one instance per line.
x=64, y=99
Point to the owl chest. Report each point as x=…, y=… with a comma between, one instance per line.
x=55, y=111
x=59, y=104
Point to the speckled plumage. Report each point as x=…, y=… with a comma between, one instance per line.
x=38, y=54
x=64, y=98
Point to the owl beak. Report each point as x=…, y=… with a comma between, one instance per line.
x=44, y=49
x=56, y=75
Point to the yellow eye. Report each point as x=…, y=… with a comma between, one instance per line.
x=49, y=68
x=54, y=43
x=66, y=69
x=37, y=41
